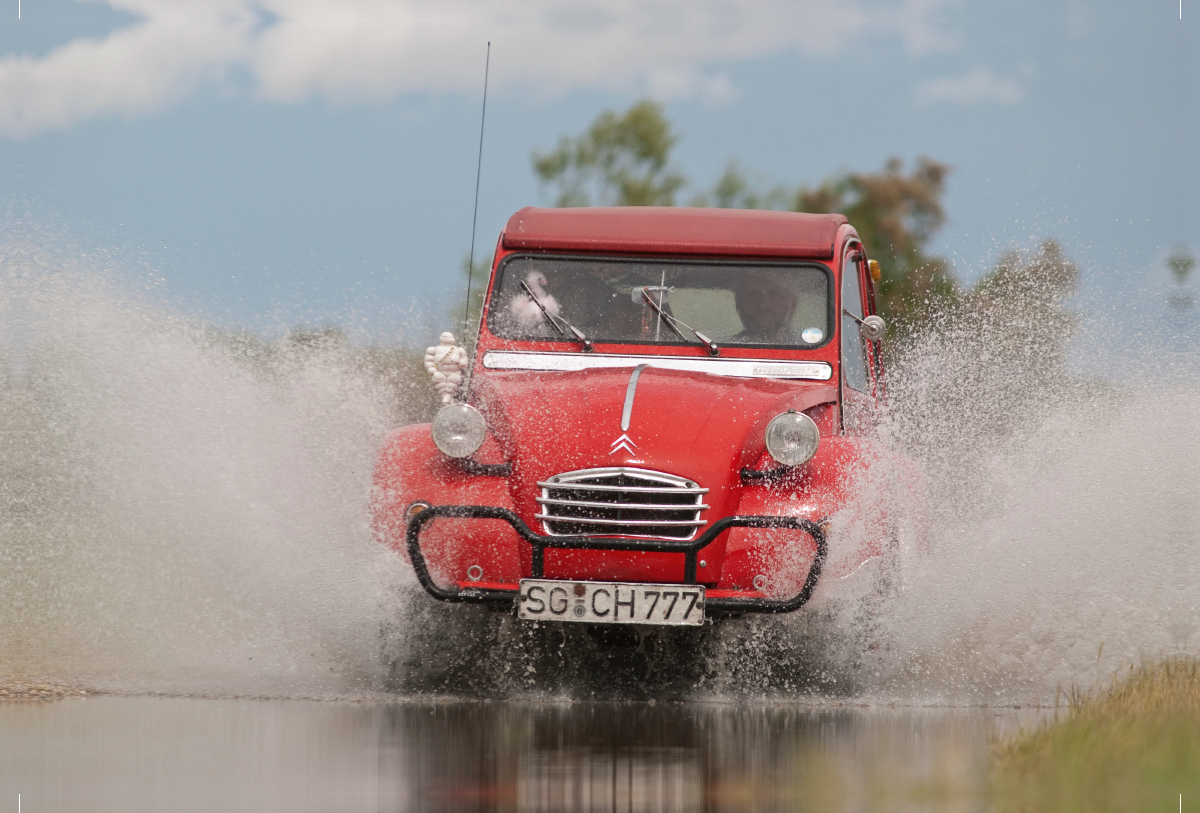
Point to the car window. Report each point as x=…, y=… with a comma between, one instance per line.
x=854, y=356
x=734, y=303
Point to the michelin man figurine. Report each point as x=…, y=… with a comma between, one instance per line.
x=445, y=363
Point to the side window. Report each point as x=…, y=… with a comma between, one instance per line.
x=854, y=356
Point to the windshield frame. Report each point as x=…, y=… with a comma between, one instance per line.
x=746, y=263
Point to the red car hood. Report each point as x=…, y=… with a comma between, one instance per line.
x=694, y=425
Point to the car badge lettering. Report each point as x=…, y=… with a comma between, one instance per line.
x=623, y=442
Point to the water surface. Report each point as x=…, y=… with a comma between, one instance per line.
x=133, y=754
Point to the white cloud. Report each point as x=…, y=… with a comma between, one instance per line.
x=980, y=86
x=920, y=25
x=361, y=50
x=133, y=71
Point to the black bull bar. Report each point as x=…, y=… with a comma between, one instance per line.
x=689, y=548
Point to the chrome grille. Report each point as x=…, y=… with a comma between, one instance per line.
x=621, y=501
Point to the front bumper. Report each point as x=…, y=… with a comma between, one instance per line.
x=689, y=549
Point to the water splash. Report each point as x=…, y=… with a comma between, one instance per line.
x=180, y=512
x=1064, y=530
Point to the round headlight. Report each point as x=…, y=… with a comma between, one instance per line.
x=792, y=438
x=458, y=430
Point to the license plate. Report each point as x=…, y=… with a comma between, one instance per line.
x=611, y=602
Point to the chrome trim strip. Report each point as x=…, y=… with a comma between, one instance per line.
x=629, y=393
x=639, y=489
x=735, y=368
x=670, y=480
x=629, y=506
x=675, y=523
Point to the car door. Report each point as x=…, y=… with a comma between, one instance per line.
x=859, y=408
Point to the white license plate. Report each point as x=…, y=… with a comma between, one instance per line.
x=611, y=602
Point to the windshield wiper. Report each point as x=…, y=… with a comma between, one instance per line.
x=555, y=320
x=671, y=321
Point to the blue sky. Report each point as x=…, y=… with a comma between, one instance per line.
x=274, y=162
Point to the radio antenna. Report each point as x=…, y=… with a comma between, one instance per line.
x=475, y=216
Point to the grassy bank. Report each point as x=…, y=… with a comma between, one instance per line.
x=1134, y=746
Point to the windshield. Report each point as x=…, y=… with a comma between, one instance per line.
x=734, y=303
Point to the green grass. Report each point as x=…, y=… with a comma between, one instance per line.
x=1134, y=746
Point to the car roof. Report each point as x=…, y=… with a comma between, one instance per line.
x=675, y=230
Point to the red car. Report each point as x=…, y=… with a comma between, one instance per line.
x=671, y=414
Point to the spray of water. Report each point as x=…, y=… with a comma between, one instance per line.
x=1064, y=540
x=184, y=511
x=181, y=511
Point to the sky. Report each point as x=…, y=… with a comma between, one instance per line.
x=270, y=163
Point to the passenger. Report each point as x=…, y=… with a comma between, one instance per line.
x=766, y=305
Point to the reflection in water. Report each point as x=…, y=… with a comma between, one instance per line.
x=153, y=754
x=596, y=779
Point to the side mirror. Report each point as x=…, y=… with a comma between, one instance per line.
x=873, y=328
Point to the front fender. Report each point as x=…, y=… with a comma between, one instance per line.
x=845, y=487
x=409, y=469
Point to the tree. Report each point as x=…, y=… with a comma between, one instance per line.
x=734, y=190
x=896, y=215
x=1023, y=301
x=1181, y=262
x=621, y=160
x=624, y=158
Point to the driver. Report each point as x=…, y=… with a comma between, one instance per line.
x=766, y=305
